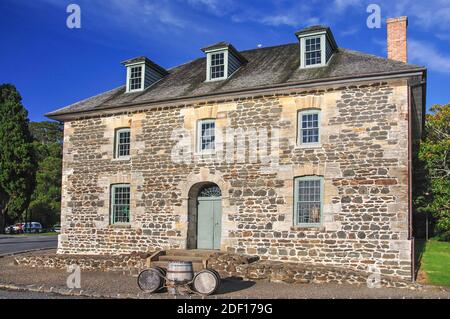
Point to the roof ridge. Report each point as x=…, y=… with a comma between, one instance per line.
x=365, y=54
x=270, y=47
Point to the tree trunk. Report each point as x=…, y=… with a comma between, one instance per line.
x=2, y=221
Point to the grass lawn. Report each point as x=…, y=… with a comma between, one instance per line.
x=39, y=234
x=435, y=263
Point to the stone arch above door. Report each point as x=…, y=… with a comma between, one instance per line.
x=202, y=178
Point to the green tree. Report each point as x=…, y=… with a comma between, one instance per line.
x=435, y=155
x=46, y=199
x=17, y=160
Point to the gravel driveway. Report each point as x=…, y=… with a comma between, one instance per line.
x=119, y=284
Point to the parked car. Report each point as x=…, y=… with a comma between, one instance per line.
x=33, y=227
x=57, y=228
x=9, y=229
x=18, y=228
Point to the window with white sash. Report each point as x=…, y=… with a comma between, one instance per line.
x=120, y=204
x=308, y=201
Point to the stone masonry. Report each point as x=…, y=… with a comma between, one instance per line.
x=363, y=158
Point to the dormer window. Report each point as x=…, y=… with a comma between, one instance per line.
x=217, y=65
x=135, y=78
x=317, y=46
x=222, y=61
x=142, y=73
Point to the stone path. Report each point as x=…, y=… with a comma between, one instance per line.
x=118, y=284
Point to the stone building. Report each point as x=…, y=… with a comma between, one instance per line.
x=299, y=152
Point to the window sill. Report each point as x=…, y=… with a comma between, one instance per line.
x=120, y=226
x=121, y=159
x=314, y=227
x=216, y=80
x=201, y=154
x=308, y=146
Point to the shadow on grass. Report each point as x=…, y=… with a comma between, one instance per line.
x=419, y=249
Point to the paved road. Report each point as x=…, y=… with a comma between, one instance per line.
x=9, y=294
x=15, y=244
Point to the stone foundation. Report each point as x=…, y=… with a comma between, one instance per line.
x=134, y=261
x=228, y=265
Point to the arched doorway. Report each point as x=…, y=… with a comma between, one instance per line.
x=205, y=217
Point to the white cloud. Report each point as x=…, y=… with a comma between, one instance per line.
x=283, y=13
x=294, y=21
x=217, y=7
x=426, y=54
x=350, y=31
x=133, y=14
x=341, y=5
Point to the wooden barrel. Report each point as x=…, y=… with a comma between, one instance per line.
x=180, y=272
x=151, y=280
x=206, y=282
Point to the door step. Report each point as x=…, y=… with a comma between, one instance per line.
x=181, y=258
x=192, y=253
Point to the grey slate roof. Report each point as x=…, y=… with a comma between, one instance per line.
x=147, y=61
x=266, y=67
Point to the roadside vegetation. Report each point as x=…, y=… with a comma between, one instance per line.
x=30, y=165
x=38, y=234
x=432, y=174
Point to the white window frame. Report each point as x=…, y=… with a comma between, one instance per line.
x=129, y=67
x=112, y=204
x=117, y=143
x=218, y=65
x=297, y=181
x=323, y=44
x=208, y=63
x=200, y=137
x=300, y=142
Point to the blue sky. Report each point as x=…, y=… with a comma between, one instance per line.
x=53, y=66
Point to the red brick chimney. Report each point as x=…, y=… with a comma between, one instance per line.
x=397, y=39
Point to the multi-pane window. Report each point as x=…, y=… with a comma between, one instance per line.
x=217, y=65
x=123, y=139
x=309, y=129
x=207, y=136
x=308, y=200
x=120, y=204
x=135, y=78
x=313, y=52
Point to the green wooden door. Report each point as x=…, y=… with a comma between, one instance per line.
x=209, y=221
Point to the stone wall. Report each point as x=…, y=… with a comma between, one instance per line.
x=133, y=262
x=362, y=157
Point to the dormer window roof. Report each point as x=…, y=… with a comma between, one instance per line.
x=142, y=73
x=317, y=46
x=222, y=60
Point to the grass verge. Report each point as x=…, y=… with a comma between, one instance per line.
x=435, y=263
